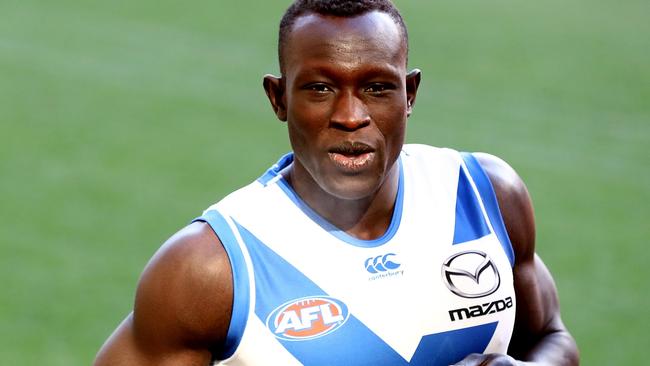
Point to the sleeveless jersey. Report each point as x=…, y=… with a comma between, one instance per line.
x=434, y=288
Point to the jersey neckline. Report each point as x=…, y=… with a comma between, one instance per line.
x=273, y=175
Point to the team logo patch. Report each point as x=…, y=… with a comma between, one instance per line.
x=471, y=274
x=307, y=318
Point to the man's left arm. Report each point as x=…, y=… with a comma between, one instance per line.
x=539, y=336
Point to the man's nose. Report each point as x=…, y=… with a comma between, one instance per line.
x=350, y=113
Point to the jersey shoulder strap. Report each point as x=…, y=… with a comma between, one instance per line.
x=489, y=199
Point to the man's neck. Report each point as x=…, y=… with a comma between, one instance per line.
x=366, y=218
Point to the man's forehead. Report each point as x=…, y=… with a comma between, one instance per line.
x=375, y=21
x=373, y=32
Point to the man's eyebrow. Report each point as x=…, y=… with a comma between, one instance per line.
x=330, y=71
x=382, y=72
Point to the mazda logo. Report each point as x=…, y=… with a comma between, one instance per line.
x=471, y=274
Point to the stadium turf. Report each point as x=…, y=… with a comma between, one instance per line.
x=120, y=121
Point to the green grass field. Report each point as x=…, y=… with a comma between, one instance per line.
x=120, y=121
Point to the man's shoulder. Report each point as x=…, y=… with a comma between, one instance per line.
x=250, y=194
x=503, y=177
x=191, y=259
x=514, y=202
x=186, y=288
x=429, y=156
x=196, y=243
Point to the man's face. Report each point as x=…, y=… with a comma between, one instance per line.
x=346, y=101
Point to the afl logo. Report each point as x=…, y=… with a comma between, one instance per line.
x=307, y=318
x=471, y=274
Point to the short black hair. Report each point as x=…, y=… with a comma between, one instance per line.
x=337, y=8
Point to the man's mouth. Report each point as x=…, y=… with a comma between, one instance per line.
x=352, y=156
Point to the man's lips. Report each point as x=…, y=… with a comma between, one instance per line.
x=351, y=148
x=352, y=156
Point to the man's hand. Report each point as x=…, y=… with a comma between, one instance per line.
x=491, y=359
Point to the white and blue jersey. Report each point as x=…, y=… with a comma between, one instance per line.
x=434, y=288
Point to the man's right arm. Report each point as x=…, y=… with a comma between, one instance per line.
x=182, y=306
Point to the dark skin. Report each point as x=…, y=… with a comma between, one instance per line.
x=344, y=82
x=330, y=95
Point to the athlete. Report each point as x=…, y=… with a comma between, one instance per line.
x=354, y=249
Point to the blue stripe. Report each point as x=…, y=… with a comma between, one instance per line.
x=277, y=282
x=491, y=204
x=241, y=286
x=275, y=170
x=448, y=348
x=470, y=222
x=342, y=235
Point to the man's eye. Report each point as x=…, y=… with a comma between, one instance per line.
x=378, y=88
x=319, y=88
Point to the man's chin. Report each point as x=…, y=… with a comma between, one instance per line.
x=352, y=188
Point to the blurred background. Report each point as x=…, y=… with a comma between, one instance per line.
x=120, y=121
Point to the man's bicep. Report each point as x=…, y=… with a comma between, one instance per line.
x=538, y=310
x=122, y=348
x=182, y=305
x=126, y=347
x=536, y=294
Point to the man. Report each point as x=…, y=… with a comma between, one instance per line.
x=355, y=249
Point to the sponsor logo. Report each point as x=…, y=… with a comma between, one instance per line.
x=383, y=266
x=480, y=310
x=381, y=263
x=307, y=318
x=471, y=274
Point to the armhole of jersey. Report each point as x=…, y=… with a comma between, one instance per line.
x=489, y=198
x=240, y=278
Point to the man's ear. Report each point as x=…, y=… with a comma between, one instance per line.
x=412, y=84
x=274, y=87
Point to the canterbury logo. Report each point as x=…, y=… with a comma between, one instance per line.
x=381, y=263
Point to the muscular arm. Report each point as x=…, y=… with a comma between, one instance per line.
x=539, y=335
x=182, y=305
